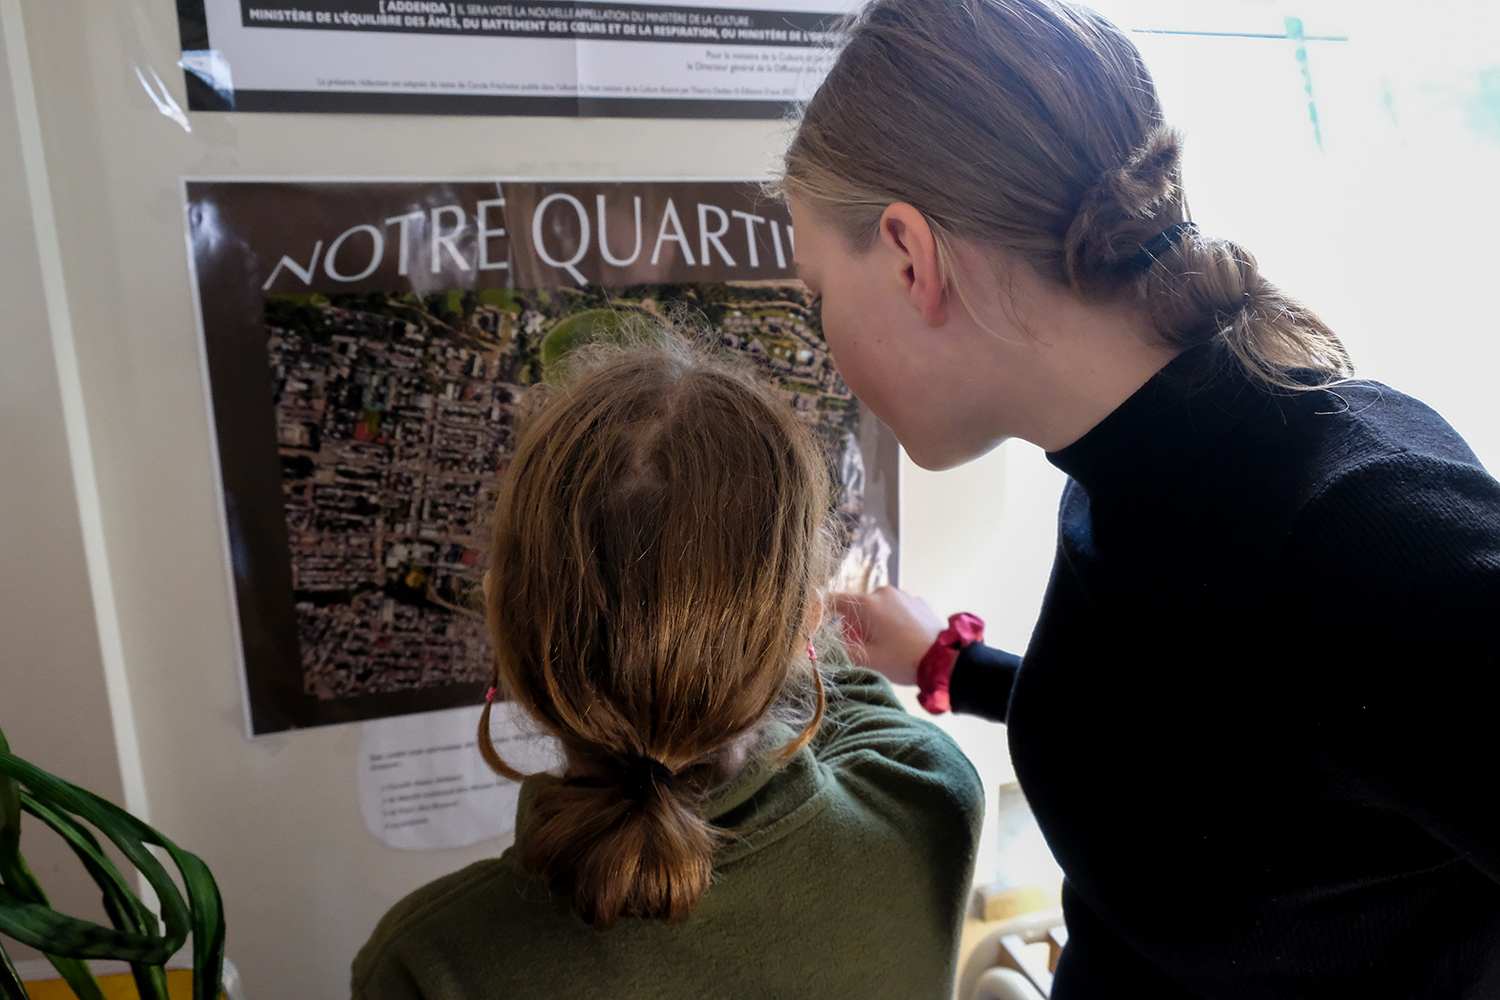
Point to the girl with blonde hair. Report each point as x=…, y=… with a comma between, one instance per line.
x=1255, y=717
x=731, y=821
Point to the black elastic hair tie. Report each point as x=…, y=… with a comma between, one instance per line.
x=640, y=772
x=1152, y=249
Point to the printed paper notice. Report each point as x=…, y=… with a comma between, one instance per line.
x=424, y=786
x=709, y=59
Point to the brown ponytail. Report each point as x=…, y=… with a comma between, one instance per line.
x=656, y=541
x=1033, y=127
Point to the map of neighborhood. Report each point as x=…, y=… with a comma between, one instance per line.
x=394, y=425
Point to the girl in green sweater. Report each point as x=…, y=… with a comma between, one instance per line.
x=732, y=821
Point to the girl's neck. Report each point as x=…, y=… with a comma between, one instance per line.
x=1093, y=358
x=735, y=755
x=1055, y=363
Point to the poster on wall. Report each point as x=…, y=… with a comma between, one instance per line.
x=718, y=59
x=366, y=344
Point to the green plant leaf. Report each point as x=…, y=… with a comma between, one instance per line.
x=25, y=916
x=129, y=834
x=13, y=870
x=205, y=916
x=46, y=930
x=125, y=911
x=11, y=987
x=19, y=881
x=150, y=982
x=208, y=924
x=10, y=815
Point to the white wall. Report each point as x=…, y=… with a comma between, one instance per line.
x=1386, y=229
x=54, y=706
x=980, y=538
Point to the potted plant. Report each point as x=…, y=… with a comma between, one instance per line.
x=137, y=936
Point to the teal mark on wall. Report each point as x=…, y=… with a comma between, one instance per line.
x=1298, y=36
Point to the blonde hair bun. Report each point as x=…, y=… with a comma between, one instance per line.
x=1126, y=207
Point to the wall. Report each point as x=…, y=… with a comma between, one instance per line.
x=54, y=703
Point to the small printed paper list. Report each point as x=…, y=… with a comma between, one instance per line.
x=424, y=786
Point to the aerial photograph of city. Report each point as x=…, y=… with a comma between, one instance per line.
x=394, y=425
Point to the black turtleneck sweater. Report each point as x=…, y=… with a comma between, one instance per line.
x=1259, y=717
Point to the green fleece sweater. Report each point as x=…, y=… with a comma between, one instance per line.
x=851, y=883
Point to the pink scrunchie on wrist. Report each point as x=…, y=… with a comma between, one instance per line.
x=936, y=668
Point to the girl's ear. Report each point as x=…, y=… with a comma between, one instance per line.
x=813, y=620
x=907, y=239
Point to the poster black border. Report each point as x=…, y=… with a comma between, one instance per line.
x=192, y=25
x=342, y=102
